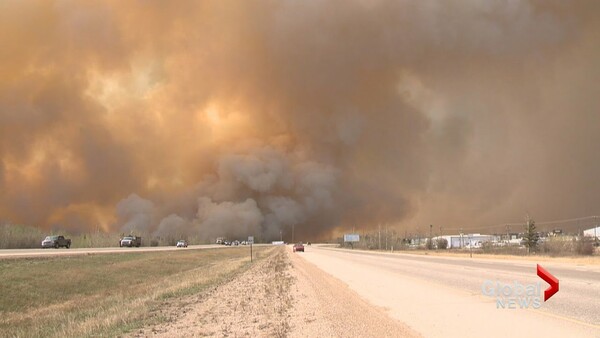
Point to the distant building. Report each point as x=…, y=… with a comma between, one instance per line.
x=467, y=240
x=593, y=232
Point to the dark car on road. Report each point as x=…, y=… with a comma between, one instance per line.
x=298, y=247
x=56, y=242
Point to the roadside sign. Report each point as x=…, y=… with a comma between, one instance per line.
x=251, y=241
x=351, y=238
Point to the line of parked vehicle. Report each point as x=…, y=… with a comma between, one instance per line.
x=223, y=241
x=59, y=241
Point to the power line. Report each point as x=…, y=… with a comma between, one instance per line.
x=592, y=218
x=567, y=220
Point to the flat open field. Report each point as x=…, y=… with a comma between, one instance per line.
x=106, y=294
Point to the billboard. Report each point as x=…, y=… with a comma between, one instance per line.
x=351, y=238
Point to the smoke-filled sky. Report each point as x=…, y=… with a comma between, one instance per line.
x=231, y=118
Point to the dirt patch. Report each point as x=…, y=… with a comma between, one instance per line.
x=325, y=307
x=254, y=304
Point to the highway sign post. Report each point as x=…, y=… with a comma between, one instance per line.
x=251, y=241
x=351, y=238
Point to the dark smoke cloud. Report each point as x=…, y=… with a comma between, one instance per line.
x=228, y=118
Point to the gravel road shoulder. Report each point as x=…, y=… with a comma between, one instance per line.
x=325, y=307
x=280, y=296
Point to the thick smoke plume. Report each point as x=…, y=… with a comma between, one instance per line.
x=231, y=118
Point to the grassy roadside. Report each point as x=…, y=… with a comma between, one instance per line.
x=256, y=304
x=107, y=294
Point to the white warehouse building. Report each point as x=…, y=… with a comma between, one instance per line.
x=466, y=240
x=593, y=232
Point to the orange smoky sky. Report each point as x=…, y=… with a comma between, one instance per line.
x=253, y=117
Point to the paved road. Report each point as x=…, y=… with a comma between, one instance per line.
x=84, y=251
x=442, y=296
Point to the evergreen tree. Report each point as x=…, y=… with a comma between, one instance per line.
x=531, y=236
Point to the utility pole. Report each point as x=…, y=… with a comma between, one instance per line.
x=379, y=237
x=470, y=247
x=595, y=227
x=293, y=225
x=386, y=236
x=281, y=235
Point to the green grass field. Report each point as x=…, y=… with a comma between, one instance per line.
x=106, y=294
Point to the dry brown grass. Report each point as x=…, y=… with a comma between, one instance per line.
x=19, y=236
x=280, y=286
x=256, y=303
x=105, y=294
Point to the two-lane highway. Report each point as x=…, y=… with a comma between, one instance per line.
x=442, y=296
